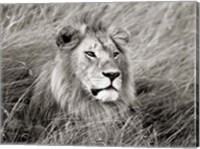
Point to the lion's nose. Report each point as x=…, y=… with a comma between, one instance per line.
x=111, y=75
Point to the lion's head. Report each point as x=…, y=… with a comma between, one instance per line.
x=99, y=59
x=91, y=73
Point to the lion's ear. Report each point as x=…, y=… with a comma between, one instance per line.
x=68, y=37
x=119, y=35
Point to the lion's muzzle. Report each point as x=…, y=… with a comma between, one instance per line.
x=111, y=75
x=110, y=91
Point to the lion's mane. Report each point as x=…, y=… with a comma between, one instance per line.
x=57, y=90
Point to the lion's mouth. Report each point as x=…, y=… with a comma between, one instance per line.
x=96, y=91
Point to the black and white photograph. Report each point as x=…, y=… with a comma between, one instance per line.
x=119, y=74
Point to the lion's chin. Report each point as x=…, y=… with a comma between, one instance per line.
x=107, y=95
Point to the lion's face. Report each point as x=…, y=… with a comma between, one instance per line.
x=97, y=68
x=97, y=62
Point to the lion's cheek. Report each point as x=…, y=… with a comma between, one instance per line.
x=100, y=82
x=83, y=74
x=107, y=95
x=117, y=84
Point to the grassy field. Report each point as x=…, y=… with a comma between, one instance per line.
x=163, y=44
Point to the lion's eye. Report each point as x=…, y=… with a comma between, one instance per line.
x=90, y=53
x=115, y=54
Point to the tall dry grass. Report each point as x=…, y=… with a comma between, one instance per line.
x=163, y=46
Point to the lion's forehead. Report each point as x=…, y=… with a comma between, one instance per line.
x=100, y=43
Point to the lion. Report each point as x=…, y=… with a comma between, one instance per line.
x=91, y=76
